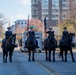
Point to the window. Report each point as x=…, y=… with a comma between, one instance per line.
x=64, y=0
x=21, y=23
x=18, y=23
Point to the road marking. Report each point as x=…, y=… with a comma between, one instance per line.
x=47, y=68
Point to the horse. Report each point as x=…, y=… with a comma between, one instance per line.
x=8, y=45
x=50, y=44
x=31, y=45
x=66, y=44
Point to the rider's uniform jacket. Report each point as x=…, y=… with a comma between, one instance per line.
x=49, y=32
x=65, y=33
x=7, y=34
x=31, y=32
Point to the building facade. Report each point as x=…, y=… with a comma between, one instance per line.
x=22, y=23
x=13, y=29
x=51, y=9
x=36, y=9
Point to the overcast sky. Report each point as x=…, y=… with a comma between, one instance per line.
x=15, y=9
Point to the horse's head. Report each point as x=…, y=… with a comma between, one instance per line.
x=31, y=42
x=11, y=40
x=70, y=37
x=51, y=36
x=10, y=37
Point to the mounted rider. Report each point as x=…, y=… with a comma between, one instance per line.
x=8, y=33
x=65, y=32
x=31, y=33
x=50, y=31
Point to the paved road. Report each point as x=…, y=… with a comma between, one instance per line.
x=21, y=66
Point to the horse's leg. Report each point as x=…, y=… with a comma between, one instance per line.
x=65, y=55
x=62, y=55
x=33, y=55
x=46, y=54
x=49, y=55
x=3, y=55
x=6, y=55
x=72, y=55
x=54, y=55
x=29, y=55
x=10, y=55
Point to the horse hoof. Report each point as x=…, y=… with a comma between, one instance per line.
x=29, y=60
x=49, y=59
x=73, y=60
x=62, y=60
x=46, y=59
x=33, y=59
x=10, y=60
x=53, y=60
x=5, y=61
x=65, y=60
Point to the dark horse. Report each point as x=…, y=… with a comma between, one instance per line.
x=50, y=44
x=65, y=45
x=31, y=45
x=8, y=46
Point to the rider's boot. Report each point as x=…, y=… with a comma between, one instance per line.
x=37, y=44
x=26, y=44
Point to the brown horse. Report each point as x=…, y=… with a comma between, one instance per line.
x=8, y=46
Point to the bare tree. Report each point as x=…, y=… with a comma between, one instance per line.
x=2, y=22
x=19, y=29
x=70, y=15
x=2, y=19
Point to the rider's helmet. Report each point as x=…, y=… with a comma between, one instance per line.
x=8, y=27
x=50, y=29
x=31, y=27
x=65, y=28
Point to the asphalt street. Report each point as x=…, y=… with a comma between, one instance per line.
x=21, y=65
